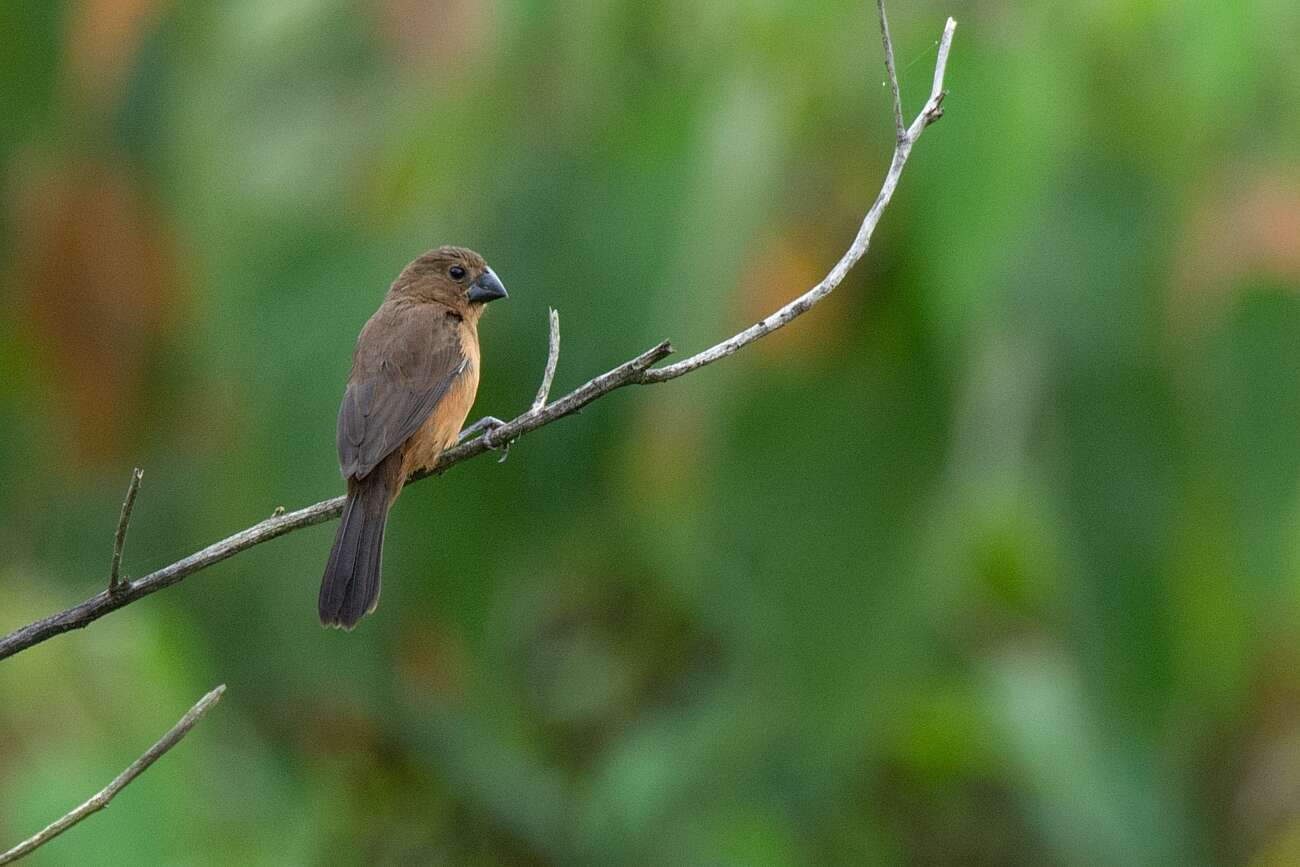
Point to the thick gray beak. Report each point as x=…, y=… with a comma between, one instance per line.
x=486, y=288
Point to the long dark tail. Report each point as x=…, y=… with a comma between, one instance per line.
x=350, y=588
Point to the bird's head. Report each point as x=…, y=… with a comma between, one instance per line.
x=452, y=276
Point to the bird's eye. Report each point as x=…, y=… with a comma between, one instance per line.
x=456, y=272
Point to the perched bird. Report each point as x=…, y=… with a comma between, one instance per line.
x=415, y=371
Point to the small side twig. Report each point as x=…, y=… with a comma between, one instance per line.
x=552, y=360
x=543, y=390
x=136, y=768
x=119, y=540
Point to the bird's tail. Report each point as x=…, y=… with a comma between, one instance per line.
x=350, y=588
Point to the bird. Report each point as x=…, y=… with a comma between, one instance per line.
x=415, y=372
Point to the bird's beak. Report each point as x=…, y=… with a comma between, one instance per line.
x=486, y=288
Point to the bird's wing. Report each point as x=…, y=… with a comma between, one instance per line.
x=405, y=362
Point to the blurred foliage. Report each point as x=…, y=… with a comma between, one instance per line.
x=994, y=558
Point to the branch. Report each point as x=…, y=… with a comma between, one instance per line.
x=119, y=539
x=136, y=768
x=97, y=606
x=637, y=371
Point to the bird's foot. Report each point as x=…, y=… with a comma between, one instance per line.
x=487, y=426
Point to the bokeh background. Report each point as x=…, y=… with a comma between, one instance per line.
x=993, y=558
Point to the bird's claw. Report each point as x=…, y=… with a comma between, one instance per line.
x=484, y=426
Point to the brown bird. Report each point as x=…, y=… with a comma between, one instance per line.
x=414, y=375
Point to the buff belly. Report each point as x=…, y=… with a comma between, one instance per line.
x=444, y=424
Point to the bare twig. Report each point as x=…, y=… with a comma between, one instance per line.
x=119, y=540
x=899, y=129
x=136, y=768
x=552, y=359
x=638, y=371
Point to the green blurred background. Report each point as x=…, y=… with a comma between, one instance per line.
x=993, y=558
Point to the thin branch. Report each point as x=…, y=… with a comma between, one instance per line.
x=899, y=129
x=552, y=360
x=637, y=371
x=787, y=314
x=136, y=768
x=119, y=540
